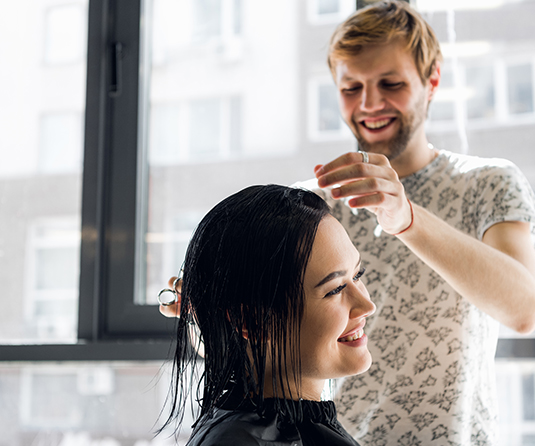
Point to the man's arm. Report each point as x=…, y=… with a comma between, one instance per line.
x=497, y=274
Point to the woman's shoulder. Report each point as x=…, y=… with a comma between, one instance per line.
x=236, y=428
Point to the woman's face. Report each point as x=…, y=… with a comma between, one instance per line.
x=337, y=303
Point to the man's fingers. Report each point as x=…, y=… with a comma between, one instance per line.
x=351, y=172
x=171, y=283
x=365, y=186
x=348, y=159
x=172, y=310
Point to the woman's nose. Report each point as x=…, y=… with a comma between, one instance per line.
x=361, y=306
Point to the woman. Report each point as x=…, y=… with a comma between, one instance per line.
x=272, y=282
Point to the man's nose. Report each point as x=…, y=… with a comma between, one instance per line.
x=372, y=100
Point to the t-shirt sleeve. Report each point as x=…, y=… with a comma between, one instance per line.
x=504, y=195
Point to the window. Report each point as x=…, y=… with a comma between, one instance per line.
x=61, y=139
x=442, y=108
x=52, y=302
x=195, y=25
x=480, y=91
x=520, y=88
x=488, y=93
x=329, y=11
x=64, y=33
x=324, y=120
x=41, y=138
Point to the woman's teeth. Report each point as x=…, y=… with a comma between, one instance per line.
x=354, y=337
x=376, y=124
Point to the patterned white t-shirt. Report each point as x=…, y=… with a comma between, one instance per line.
x=432, y=379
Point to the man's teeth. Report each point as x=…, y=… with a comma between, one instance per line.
x=354, y=337
x=376, y=124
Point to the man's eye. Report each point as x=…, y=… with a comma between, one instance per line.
x=359, y=274
x=350, y=90
x=392, y=85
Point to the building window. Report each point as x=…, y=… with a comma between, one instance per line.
x=166, y=250
x=205, y=128
x=206, y=20
x=64, y=40
x=166, y=135
x=487, y=93
x=61, y=139
x=442, y=107
x=325, y=121
x=53, y=265
x=196, y=130
x=520, y=88
x=182, y=25
x=480, y=87
x=329, y=11
x=329, y=114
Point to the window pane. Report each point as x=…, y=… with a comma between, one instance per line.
x=63, y=41
x=480, y=87
x=207, y=19
x=41, y=115
x=205, y=127
x=442, y=108
x=226, y=110
x=329, y=115
x=516, y=396
x=520, y=83
x=328, y=6
x=73, y=404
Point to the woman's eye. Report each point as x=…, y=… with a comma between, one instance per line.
x=336, y=291
x=392, y=85
x=339, y=289
x=359, y=274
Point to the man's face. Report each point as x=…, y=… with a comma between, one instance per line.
x=382, y=98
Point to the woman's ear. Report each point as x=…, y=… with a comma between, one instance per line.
x=244, y=331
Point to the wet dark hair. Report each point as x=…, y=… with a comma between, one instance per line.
x=244, y=268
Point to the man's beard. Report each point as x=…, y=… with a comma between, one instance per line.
x=395, y=146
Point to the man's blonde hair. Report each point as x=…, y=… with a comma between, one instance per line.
x=382, y=23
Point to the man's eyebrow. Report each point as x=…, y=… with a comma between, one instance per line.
x=349, y=78
x=334, y=275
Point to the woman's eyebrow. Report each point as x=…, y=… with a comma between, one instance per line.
x=334, y=275
x=330, y=277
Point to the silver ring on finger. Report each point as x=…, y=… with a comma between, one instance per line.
x=167, y=297
x=365, y=157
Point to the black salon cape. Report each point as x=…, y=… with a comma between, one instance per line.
x=317, y=426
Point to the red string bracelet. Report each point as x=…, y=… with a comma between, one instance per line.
x=412, y=220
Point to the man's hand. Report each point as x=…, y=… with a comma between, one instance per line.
x=374, y=185
x=172, y=310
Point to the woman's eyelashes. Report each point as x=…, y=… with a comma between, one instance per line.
x=339, y=289
x=359, y=274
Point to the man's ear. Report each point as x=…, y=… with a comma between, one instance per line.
x=434, y=80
